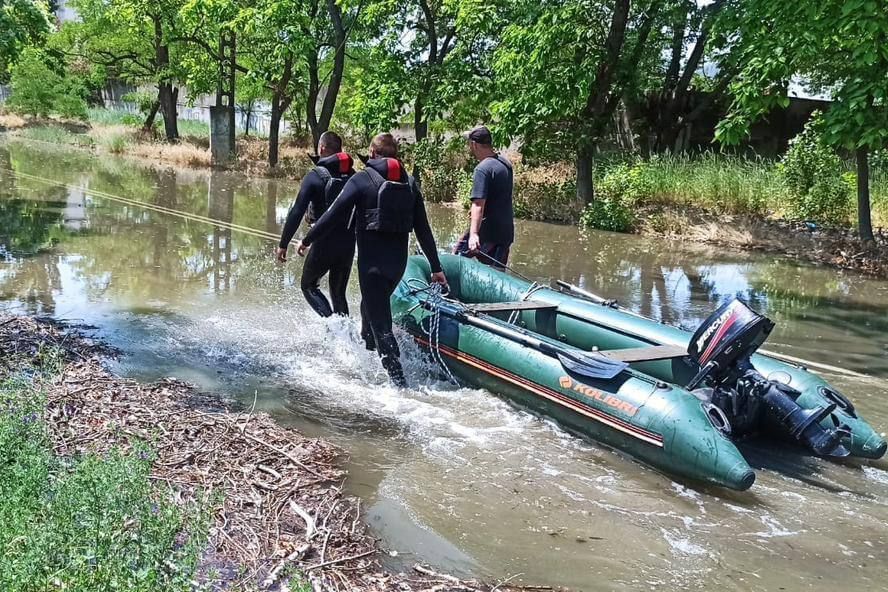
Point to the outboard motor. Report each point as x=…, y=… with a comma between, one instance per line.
x=722, y=346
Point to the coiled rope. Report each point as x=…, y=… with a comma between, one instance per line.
x=434, y=298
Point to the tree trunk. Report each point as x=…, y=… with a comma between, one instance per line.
x=274, y=129
x=148, y=125
x=339, y=38
x=421, y=130
x=248, y=113
x=585, y=171
x=864, y=215
x=168, y=96
x=311, y=100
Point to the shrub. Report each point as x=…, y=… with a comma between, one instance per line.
x=812, y=172
x=443, y=165
x=606, y=213
x=115, y=143
x=546, y=193
x=33, y=85
x=630, y=184
x=37, y=90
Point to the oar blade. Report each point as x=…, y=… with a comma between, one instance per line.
x=598, y=367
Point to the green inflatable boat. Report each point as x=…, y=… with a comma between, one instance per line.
x=674, y=400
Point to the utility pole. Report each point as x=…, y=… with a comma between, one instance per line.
x=223, y=126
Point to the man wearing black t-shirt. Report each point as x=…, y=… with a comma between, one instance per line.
x=492, y=228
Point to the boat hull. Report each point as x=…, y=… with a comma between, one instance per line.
x=643, y=412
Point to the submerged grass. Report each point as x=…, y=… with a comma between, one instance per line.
x=83, y=523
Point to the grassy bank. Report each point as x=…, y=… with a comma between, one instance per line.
x=120, y=133
x=715, y=183
x=83, y=522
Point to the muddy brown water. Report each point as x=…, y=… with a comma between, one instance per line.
x=455, y=476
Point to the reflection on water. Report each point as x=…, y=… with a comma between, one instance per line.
x=456, y=476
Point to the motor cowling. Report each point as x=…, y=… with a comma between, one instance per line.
x=731, y=333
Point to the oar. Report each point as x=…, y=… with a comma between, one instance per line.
x=583, y=293
x=574, y=360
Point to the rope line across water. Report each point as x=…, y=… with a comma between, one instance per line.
x=149, y=206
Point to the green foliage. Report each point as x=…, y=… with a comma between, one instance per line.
x=91, y=523
x=717, y=182
x=835, y=45
x=39, y=91
x=546, y=193
x=23, y=23
x=627, y=183
x=444, y=165
x=33, y=86
x=812, y=171
x=608, y=214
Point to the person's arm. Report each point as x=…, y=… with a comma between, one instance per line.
x=480, y=180
x=296, y=213
x=423, y=231
x=338, y=210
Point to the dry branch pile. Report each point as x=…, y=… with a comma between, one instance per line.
x=281, y=507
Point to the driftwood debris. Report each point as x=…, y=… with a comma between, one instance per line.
x=278, y=505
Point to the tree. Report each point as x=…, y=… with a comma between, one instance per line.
x=432, y=55
x=690, y=23
x=133, y=40
x=38, y=90
x=562, y=74
x=835, y=46
x=284, y=46
x=22, y=23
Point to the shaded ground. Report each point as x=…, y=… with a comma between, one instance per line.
x=278, y=508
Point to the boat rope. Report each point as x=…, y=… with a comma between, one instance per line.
x=434, y=298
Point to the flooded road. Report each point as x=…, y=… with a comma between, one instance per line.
x=174, y=268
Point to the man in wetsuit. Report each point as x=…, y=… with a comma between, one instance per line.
x=492, y=228
x=385, y=204
x=319, y=189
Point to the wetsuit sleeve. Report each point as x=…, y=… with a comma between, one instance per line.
x=338, y=210
x=307, y=192
x=423, y=231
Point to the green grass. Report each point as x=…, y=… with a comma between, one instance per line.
x=187, y=127
x=112, y=117
x=53, y=134
x=717, y=182
x=87, y=523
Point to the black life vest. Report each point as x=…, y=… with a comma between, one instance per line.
x=395, y=202
x=333, y=185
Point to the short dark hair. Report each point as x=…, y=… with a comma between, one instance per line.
x=481, y=135
x=331, y=141
x=385, y=145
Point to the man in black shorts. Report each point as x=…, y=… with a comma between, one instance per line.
x=492, y=228
x=319, y=190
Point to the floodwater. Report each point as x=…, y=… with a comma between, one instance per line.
x=455, y=476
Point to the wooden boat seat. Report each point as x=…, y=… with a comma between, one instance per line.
x=487, y=307
x=646, y=354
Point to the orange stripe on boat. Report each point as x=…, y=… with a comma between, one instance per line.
x=552, y=395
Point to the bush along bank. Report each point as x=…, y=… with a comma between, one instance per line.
x=112, y=484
